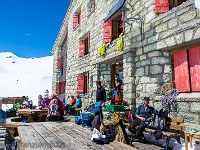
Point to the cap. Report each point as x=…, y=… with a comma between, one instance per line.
x=146, y=98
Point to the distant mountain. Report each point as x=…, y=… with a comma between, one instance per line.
x=25, y=77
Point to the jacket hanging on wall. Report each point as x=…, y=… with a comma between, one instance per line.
x=120, y=42
x=102, y=50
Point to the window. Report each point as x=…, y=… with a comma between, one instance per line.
x=163, y=6
x=84, y=45
x=77, y=18
x=83, y=84
x=175, y=3
x=187, y=69
x=91, y=6
x=113, y=28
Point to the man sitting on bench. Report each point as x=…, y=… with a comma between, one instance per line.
x=143, y=112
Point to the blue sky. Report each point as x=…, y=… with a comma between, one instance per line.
x=28, y=28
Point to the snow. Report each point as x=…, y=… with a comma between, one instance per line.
x=25, y=76
x=197, y=3
x=172, y=143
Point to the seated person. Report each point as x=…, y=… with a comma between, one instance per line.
x=40, y=100
x=56, y=109
x=78, y=104
x=46, y=101
x=73, y=101
x=143, y=112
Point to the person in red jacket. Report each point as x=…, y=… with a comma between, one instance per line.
x=52, y=113
x=73, y=101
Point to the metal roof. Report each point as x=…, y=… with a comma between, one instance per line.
x=118, y=4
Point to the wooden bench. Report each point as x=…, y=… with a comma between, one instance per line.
x=174, y=131
x=77, y=111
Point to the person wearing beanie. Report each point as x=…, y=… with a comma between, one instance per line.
x=46, y=101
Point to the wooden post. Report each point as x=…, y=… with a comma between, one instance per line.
x=186, y=144
x=190, y=141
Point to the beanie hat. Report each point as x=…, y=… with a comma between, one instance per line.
x=46, y=94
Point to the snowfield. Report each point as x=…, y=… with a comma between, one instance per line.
x=25, y=76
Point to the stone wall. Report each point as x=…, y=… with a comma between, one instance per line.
x=146, y=57
x=163, y=34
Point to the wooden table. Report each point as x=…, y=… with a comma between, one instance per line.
x=62, y=136
x=34, y=114
x=195, y=135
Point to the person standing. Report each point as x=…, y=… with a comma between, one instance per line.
x=117, y=90
x=100, y=95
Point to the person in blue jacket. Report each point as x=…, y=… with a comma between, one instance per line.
x=78, y=104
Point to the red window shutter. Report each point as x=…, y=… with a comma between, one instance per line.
x=87, y=82
x=81, y=48
x=123, y=14
x=88, y=41
x=80, y=89
x=63, y=87
x=75, y=20
x=194, y=57
x=181, y=71
x=107, y=34
x=57, y=88
x=58, y=63
x=60, y=87
x=61, y=62
x=161, y=6
x=79, y=18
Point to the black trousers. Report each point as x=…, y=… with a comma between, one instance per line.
x=141, y=126
x=67, y=108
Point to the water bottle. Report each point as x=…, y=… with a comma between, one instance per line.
x=64, y=102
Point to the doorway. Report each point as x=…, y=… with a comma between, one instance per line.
x=117, y=68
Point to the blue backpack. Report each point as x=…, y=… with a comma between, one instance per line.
x=87, y=118
x=78, y=120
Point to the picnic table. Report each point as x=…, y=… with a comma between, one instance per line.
x=34, y=114
x=62, y=136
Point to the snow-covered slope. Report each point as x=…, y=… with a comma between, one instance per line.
x=25, y=77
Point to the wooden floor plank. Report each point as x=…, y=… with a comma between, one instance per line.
x=55, y=142
x=31, y=140
x=66, y=137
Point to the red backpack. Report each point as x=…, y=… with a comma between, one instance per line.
x=54, y=112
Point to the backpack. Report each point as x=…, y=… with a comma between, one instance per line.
x=94, y=111
x=131, y=115
x=78, y=120
x=87, y=118
x=53, y=112
x=161, y=119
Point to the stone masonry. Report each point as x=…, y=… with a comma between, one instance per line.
x=147, y=65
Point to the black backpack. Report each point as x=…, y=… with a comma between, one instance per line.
x=161, y=119
x=131, y=115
